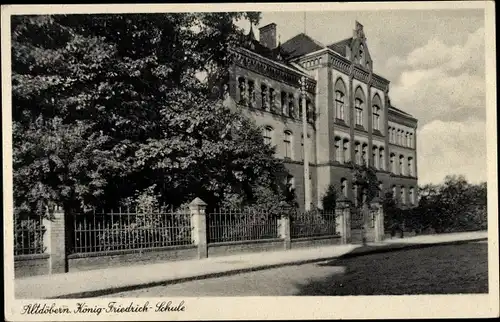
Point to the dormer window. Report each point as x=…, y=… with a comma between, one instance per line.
x=361, y=52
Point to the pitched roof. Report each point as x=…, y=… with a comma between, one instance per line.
x=300, y=45
x=340, y=46
x=401, y=111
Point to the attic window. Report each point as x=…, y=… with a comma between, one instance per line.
x=361, y=52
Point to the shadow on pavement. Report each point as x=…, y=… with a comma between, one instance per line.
x=453, y=268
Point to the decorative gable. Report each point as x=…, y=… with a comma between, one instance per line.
x=359, y=53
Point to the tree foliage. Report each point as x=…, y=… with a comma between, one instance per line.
x=365, y=178
x=454, y=205
x=329, y=199
x=107, y=106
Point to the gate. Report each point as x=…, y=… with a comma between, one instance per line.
x=357, y=225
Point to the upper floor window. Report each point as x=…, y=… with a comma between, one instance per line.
x=376, y=112
x=403, y=195
x=268, y=135
x=288, y=144
x=394, y=192
x=340, y=91
x=359, y=99
x=358, y=105
x=339, y=105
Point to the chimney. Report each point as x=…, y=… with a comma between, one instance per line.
x=268, y=35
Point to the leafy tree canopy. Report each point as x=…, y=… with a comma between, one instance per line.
x=107, y=106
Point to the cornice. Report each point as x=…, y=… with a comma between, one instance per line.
x=264, y=66
x=402, y=119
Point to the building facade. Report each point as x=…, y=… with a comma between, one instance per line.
x=350, y=118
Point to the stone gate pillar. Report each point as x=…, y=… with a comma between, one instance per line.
x=343, y=220
x=376, y=207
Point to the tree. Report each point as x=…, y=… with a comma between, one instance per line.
x=365, y=178
x=329, y=199
x=106, y=106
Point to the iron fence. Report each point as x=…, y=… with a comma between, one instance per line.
x=227, y=225
x=98, y=232
x=28, y=236
x=312, y=224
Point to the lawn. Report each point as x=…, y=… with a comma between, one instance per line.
x=450, y=269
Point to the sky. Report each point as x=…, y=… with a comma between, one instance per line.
x=435, y=61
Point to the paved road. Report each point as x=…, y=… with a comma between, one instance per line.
x=447, y=269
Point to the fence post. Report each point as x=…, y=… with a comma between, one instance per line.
x=284, y=230
x=55, y=241
x=199, y=226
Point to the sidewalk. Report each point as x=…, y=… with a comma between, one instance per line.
x=112, y=280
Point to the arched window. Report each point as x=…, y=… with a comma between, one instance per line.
x=401, y=165
x=338, y=149
x=268, y=135
x=251, y=93
x=361, y=54
x=403, y=195
x=380, y=189
x=381, y=159
x=347, y=154
x=242, y=86
x=394, y=196
x=376, y=112
x=343, y=187
x=411, y=141
x=394, y=138
x=375, y=157
x=288, y=145
x=359, y=100
x=340, y=99
x=358, y=105
x=393, y=163
x=357, y=152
